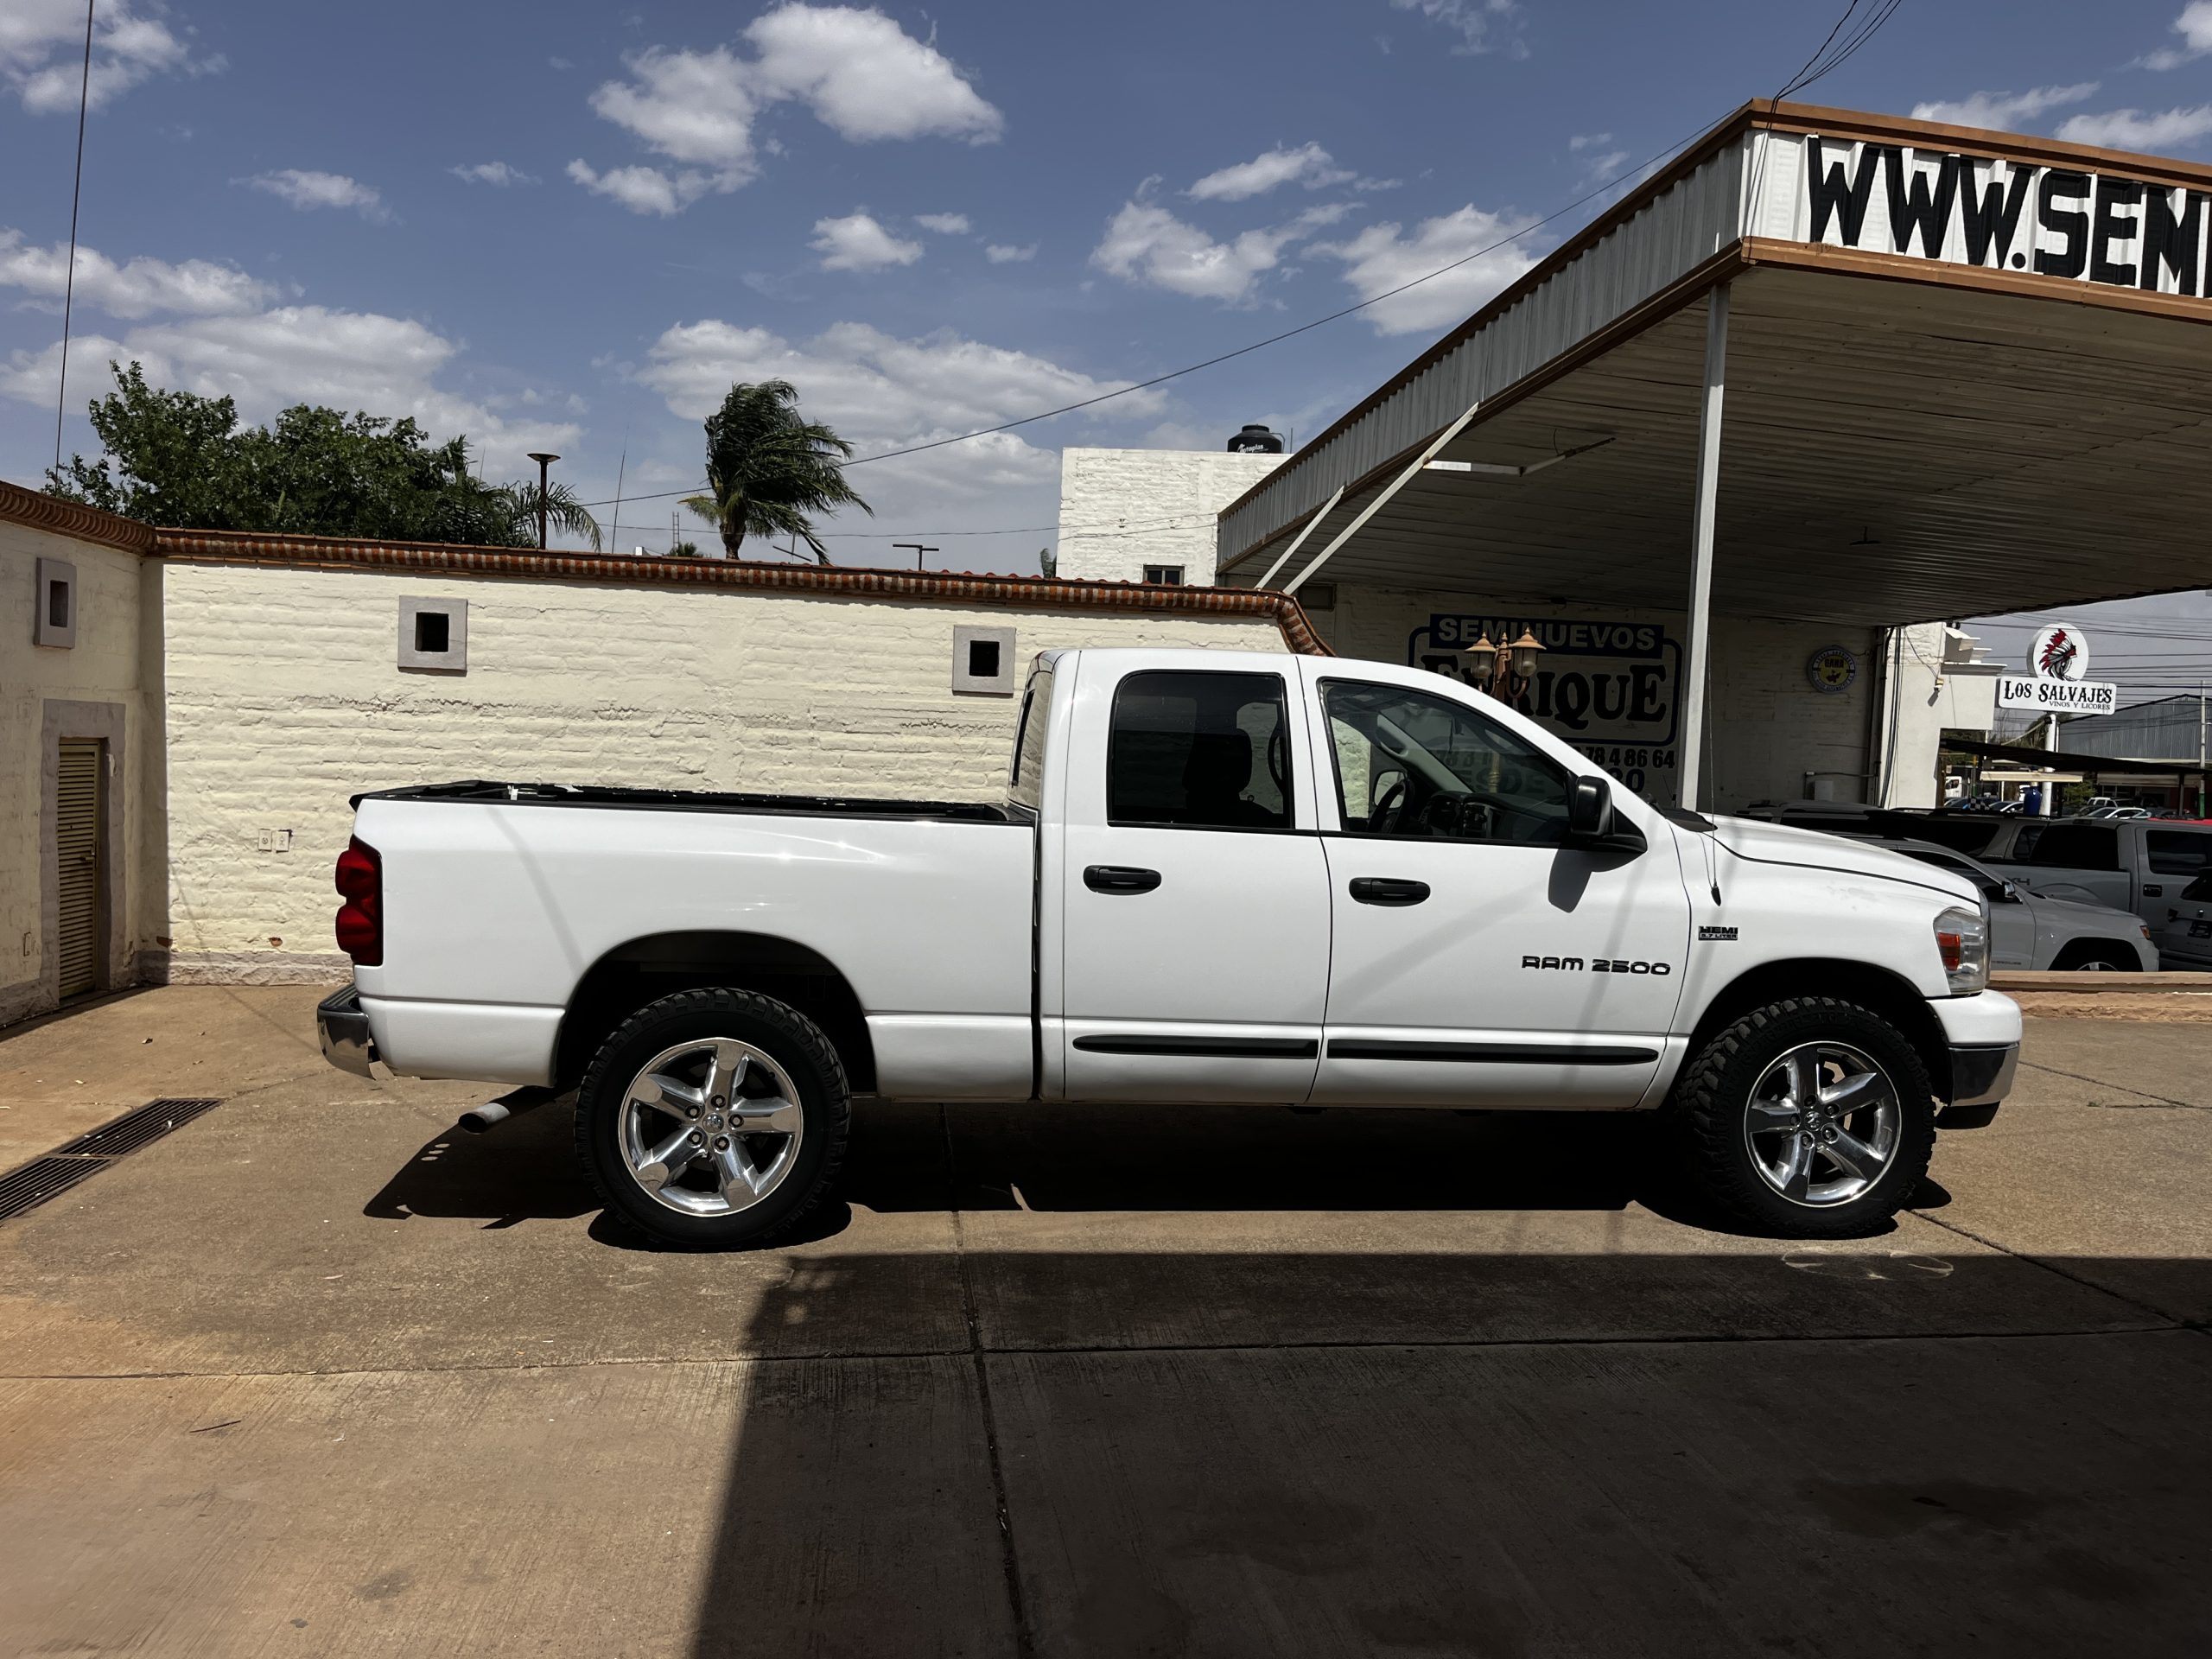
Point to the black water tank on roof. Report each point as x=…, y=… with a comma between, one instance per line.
x=1255, y=440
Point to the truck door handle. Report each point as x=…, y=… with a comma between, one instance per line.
x=1120, y=878
x=1384, y=890
x=2154, y=892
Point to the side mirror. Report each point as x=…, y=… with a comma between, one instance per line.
x=2009, y=892
x=1589, y=808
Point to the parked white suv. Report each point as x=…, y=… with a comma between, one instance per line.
x=1214, y=876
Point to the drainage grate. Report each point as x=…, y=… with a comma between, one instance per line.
x=134, y=1129
x=43, y=1177
x=40, y=1180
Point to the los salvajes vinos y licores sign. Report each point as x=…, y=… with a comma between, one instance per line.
x=2057, y=681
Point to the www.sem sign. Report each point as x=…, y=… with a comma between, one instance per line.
x=2003, y=215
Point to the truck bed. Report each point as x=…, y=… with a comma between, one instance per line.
x=486, y=792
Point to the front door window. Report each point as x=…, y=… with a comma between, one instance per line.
x=1409, y=763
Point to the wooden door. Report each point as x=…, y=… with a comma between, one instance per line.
x=77, y=844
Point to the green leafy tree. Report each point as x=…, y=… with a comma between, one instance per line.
x=767, y=470
x=180, y=460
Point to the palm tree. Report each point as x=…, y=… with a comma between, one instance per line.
x=767, y=469
x=563, y=512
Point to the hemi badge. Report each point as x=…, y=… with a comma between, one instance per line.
x=1716, y=933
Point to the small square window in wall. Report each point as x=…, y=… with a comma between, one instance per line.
x=434, y=635
x=54, y=607
x=1168, y=576
x=982, y=661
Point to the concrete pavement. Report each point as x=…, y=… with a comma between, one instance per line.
x=317, y=1375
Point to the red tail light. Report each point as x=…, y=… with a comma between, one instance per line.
x=360, y=918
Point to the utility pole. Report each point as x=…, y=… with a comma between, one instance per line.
x=2200, y=749
x=544, y=463
x=916, y=549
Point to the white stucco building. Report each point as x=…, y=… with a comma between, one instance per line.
x=178, y=758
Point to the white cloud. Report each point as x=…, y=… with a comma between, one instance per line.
x=1606, y=166
x=1381, y=258
x=139, y=289
x=1002, y=253
x=1582, y=140
x=1309, y=165
x=943, y=224
x=2003, y=111
x=306, y=190
x=42, y=48
x=866, y=78
x=1479, y=23
x=883, y=392
x=295, y=354
x=2134, y=129
x=860, y=74
x=644, y=189
x=693, y=107
x=492, y=172
x=856, y=242
x=2195, y=28
x=1146, y=244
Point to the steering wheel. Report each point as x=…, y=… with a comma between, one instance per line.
x=1279, y=761
x=1383, y=816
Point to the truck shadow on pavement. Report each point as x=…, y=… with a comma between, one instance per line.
x=1839, y=1452
x=903, y=1158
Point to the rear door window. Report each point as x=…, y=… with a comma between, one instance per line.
x=1199, y=750
x=2180, y=852
x=2068, y=846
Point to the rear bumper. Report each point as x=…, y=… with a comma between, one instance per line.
x=343, y=1028
x=1981, y=1075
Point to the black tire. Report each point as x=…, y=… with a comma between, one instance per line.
x=785, y=1036
x=1712, y=1102
x=2096, y=956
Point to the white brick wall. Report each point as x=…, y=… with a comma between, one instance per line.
x=1123, y=509
x=284, y=698
x=104, y=666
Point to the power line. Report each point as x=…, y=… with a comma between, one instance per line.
x=69, y=279
x=1617, y=183
x=1831, y=56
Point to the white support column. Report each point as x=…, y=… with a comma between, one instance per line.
x=1708, y=490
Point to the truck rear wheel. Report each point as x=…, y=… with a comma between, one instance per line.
x=713, y=1118
x=1809, y=1118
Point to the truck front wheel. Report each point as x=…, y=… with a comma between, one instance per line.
x=1809, y=1118
x=713, y=1118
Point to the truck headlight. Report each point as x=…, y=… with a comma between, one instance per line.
x=1962, y=940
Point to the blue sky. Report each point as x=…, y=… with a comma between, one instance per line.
x=571, y=226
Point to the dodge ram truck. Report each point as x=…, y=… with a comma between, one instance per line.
x=1214, y=877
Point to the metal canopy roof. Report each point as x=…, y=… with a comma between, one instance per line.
x=1905, y=438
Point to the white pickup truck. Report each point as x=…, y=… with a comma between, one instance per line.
x=1216, y=877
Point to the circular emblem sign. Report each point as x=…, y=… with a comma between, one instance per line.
x=1832, y=670
x=2059, y=653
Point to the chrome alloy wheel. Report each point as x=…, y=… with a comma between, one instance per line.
x=710, y=1126
x=1823, y=1124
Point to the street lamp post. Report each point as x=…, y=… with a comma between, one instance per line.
x=545, y=462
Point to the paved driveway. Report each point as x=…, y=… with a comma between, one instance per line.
x=316, y=1374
